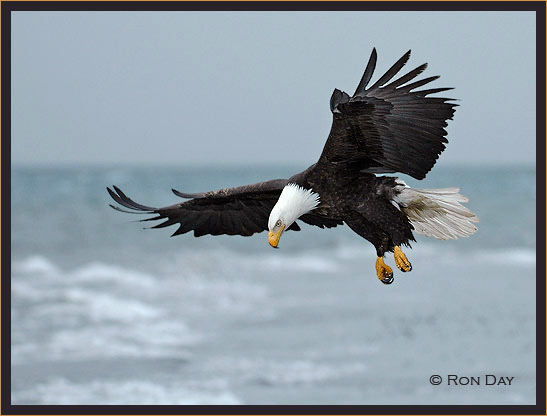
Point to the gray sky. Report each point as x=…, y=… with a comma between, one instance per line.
x=225, y=87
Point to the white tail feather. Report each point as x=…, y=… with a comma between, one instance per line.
x=436, y=212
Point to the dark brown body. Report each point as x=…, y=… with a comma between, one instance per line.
x=363, y=202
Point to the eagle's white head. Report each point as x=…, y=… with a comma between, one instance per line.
x=293, y=202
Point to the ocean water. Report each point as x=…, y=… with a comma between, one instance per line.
x=104, y=312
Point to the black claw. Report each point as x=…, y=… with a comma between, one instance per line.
x=404, y=271
x=388, y=280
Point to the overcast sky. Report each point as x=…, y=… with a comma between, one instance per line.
x=229, y=87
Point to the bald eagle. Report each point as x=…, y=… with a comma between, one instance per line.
x=385, y=128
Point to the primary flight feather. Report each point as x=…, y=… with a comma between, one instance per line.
x=385, y=128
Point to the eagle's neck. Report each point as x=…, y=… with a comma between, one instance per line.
x=293, y=202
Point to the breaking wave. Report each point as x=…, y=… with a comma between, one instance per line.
x=100, y=310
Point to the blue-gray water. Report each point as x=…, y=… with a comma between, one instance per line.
x=104, y=312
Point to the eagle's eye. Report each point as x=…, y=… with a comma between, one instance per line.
x=278, y=224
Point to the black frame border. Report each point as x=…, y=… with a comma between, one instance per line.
x=7, y=7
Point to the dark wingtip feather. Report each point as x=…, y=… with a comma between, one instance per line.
x=181, y=194
x=423, y=93
x=179, y=231
x=391, y=72
x=112, y=194
x=129, y=203
x=407, y=77
x=369, y=70
x=125, y=201
x=126, y=211
x=117, y=198
x=186, y=195
x=419, y=83
x=159, y=217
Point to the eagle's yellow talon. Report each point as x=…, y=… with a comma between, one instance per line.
x=401, y=261
x=384, y=272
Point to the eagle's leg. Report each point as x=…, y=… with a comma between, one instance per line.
x=384, y=272
x=378, y=238
x=401, y=260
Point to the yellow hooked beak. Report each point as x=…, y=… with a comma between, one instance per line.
x=274, y=236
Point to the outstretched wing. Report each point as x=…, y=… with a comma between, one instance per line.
x=242, y=210
x=388, y=128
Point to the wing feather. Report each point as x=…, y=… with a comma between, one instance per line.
x=407, y=77
x=369, y=70
x=242, y=210
x=388, y=128
x=391, y=72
